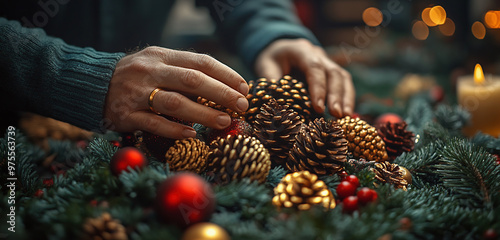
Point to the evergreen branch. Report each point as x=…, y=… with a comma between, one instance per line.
x=422, y=164
x=452, y=118
x=491, y=143
x=275, y=175
x=419, y=113
x=102, y=149
x=470, y=171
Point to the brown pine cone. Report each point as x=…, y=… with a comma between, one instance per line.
x=301, y=190
x=237, y=157
x=364, y=140
x=320, y=147
x=103, y=227
x=397, y=139
x=386, y=172
x=285, y=91
x=276, y=127
x=188, y=154
x=221, y=108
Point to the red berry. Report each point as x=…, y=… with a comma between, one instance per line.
x=115, y=143
x=374, y=195
x=490, y=234
x=38, y=193
x=125, y=158
x=48, y=182
x=346, y=189
x=350, y=204
x=365, y=195
x=353, y=179
x=343, y=175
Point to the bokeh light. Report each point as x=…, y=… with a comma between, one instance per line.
x=437, y=15
x=492, y=19
x=420, y=30
x=478, y=30
x=427, y=18
x=372, y=17
x=448, y=28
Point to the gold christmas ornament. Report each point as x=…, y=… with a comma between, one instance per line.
x=188, y=154
x=221, y=108
x=237, y=157
x=301, y=190
x=276, y=127
x=363, y=139
x=320, y=147
x=286, y=91
x=103, y=227
x=386, y=172
x=205, y=231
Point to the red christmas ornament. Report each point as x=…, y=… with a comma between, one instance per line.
x=366, y=195
x=345, y=189
x=353, y=179
x=490, y=234
x=436, y=94
x=48, y=182
x=38, y=193
x=350, y=204
x=237, y=127
x=388, y=117
x=185, y=199
x=127, y=157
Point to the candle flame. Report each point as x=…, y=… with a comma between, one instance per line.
x=478, y=74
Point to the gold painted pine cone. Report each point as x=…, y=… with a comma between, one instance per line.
x=276, y=127
x=103, y=227
x=188, y=154
x=237, y=157
x=364, y=141
x=386, y=172
x=221, y=108
x=285, y=91
x=320, y=147
x=302, y=190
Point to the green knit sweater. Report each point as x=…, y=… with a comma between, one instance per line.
x=48, y=67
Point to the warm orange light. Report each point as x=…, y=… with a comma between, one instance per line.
x=427, y=18
x=420, y=30
x=492, y=19
x=437, y=15
x=478, y=30
x=372, y=17
x=478, y=74
x=448, y=28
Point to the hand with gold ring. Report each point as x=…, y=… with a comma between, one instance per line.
x=163, y=81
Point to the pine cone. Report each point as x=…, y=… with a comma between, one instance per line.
x=221, y=108
x=188, y=154
x=364, y=140
x=238, y=157
x=397, y=139
x=386, y=172
x=320, y=147
x=103, y=227
x=301, y=190
x=285, y=91
x=276, y=127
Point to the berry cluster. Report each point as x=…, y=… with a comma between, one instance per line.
x=351, y=197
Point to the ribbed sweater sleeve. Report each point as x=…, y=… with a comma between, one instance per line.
x=251, y=25
x=43, y=74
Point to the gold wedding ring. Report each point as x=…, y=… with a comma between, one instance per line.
x=151, y=97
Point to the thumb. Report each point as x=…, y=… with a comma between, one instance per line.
x=268, y=68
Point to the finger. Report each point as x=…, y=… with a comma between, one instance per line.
x=335, y=92
x=176, y=105
x=206, y=64
x=314, y=71
x=349, y=93
x=196, y=83
x=269, y=68
x=159, y=125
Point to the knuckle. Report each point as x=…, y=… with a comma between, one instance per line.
x=192, y=79
x=154, y=50
x=315, y=62
x=204, y=60
x=140, y=65
x=151, y=124
x=172, y=101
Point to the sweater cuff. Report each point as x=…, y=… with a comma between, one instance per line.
x=252, y=46
x=80, y=92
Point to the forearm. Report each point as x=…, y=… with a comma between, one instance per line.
x=44, y=75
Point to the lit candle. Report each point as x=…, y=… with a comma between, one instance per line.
x=481, y=97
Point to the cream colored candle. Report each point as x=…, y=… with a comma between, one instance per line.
x=481, y=97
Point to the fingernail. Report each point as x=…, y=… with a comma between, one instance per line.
x=321, y=105
x=189, y=133
x=223, y=120
x=243, y=88
x=337, y=108
x=242, y=104
x=348, y=110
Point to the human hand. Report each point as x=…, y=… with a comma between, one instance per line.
x=182, y=76
x=325, y=78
